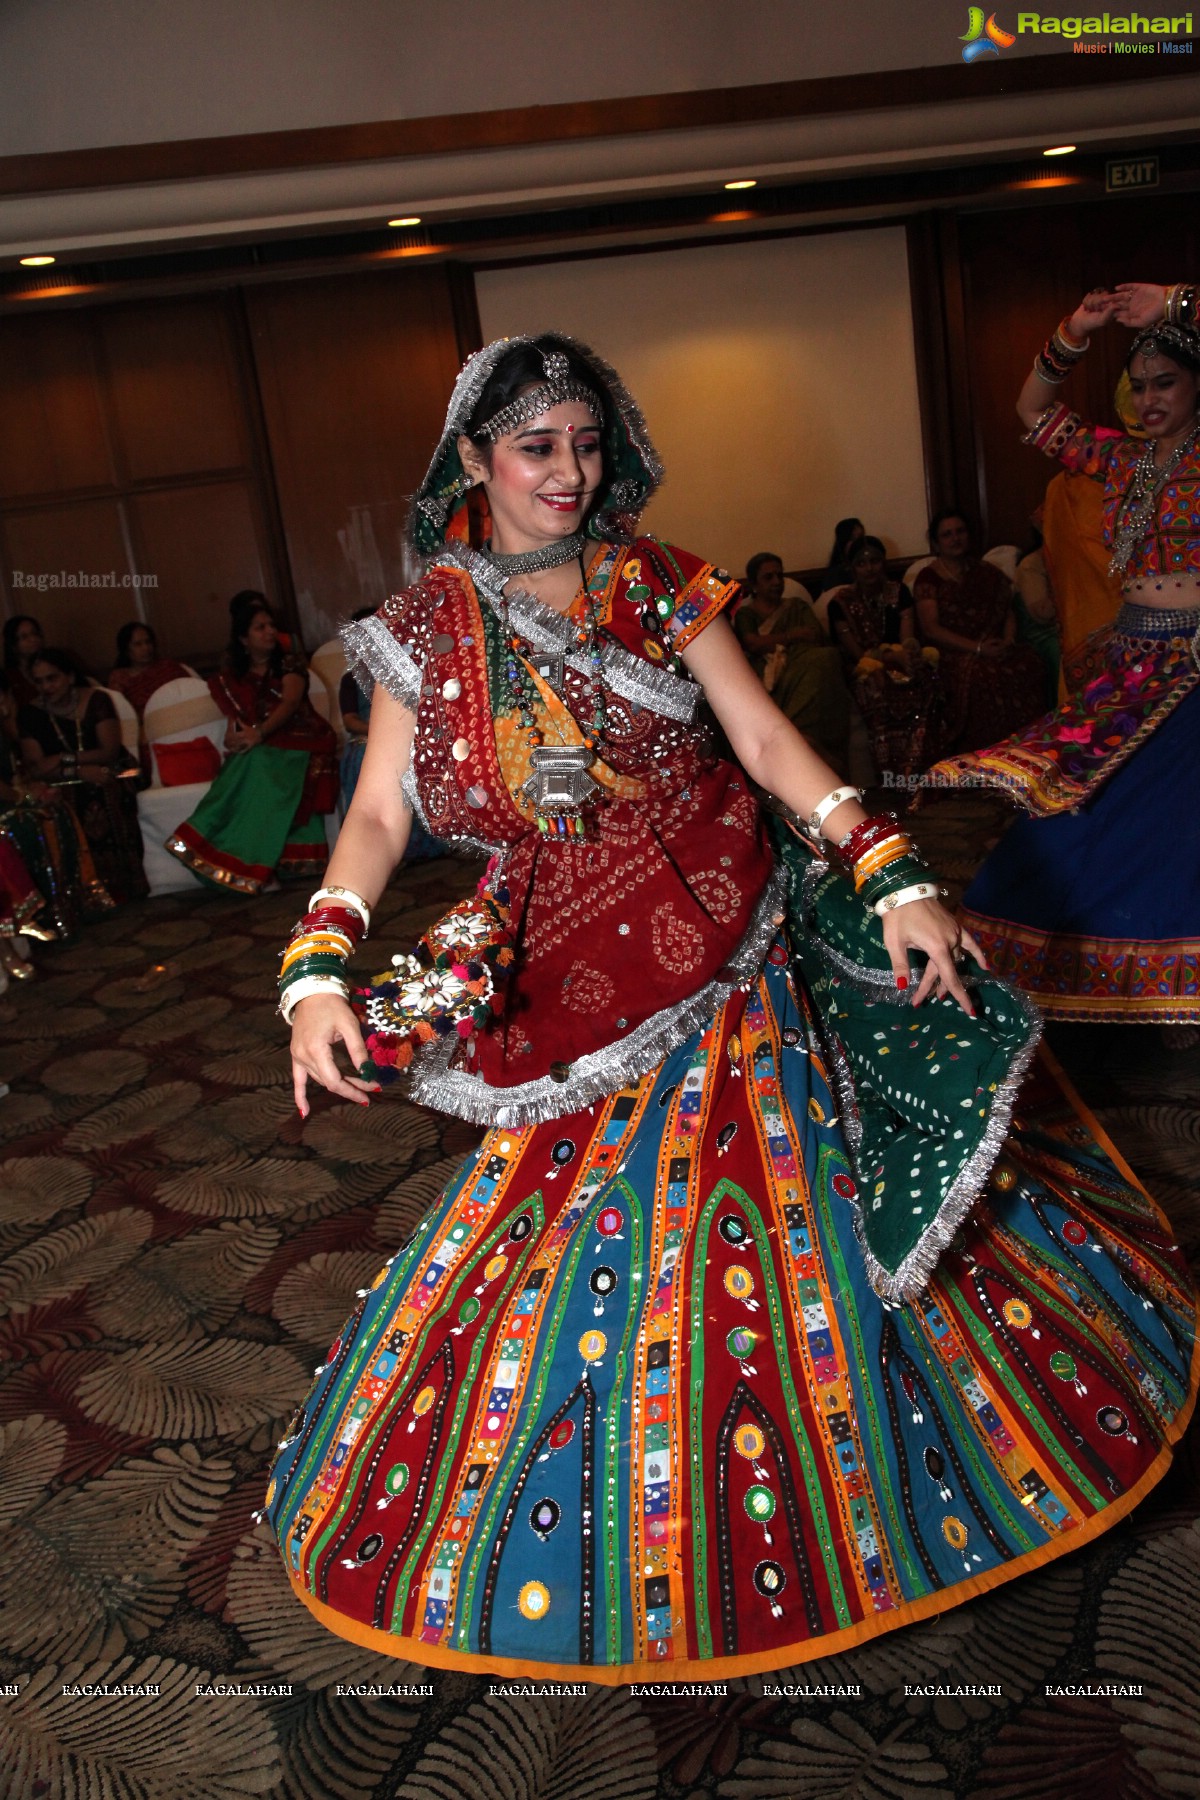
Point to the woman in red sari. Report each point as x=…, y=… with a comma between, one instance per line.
x=139, y=670
x=262, y=817
x=992, y=684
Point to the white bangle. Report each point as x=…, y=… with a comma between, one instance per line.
x=920, y=890
x=830, y=803
x=311, y=984
x=344, y=897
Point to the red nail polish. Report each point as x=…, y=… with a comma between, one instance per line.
x=902, y=982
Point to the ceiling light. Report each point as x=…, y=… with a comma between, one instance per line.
x=731, y=185
x=1060, y=150
x=409, y=219
x=35, y=262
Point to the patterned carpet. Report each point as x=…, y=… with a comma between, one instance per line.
x=177, y=1251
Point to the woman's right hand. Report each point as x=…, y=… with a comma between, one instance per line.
x=319, y=1024
x=1093, y=311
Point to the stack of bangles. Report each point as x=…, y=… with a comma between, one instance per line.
x=1180, y=306
x=1058, y=356
x=321, y=945
x=879, y=856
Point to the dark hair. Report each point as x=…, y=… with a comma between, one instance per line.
x=11, y=629
x=843, y=533
x=867, y=543
x=755, y=564
x=62, y=660
x=522, y=366
x=244, y=608
x=939, y=519
x=125, y=638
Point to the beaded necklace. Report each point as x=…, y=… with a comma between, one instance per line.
x=1136, y=515
x=560, y=785
x=521, y=685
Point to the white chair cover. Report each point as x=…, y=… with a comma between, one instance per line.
x=177, y=711
x=914, y=569
x=180, y=710
x=328, y=660
x=1005, y=557
x=127, y=719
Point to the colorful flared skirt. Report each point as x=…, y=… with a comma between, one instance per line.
x=627, y=1406
x=254, y=824
x=1095, y=914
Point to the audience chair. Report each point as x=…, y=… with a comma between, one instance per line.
x=179, y=712
x=127, y=719
x=329, y=662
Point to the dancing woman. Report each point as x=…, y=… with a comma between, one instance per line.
x=1063, y=909
x=630, y=1397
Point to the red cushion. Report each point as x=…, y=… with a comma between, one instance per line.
x=196, y=759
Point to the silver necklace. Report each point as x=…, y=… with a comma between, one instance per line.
x=533, y=562
x=1136, y=517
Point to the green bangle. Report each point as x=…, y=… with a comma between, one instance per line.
x=895, y=875
x=312, y=965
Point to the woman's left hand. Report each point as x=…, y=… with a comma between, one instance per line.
x=925, y=925
x=1139, y=303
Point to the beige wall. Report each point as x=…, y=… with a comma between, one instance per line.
x=78, y=73
x=777, y=378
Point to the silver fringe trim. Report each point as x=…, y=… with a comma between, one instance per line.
x=431, y=1082
x=912, y=1277
x=914, y=1273
x=372, y=654
x=412, y=799
x=656, y=690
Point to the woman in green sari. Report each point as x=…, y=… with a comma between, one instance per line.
x=262, y=817
x=801, y=670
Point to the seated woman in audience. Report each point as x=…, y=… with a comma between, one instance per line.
x=846, y=533
x=49, y=840
x=992, y=684
x=139, y=670
x=892, y=678
x=785, y=644
x=71, y=740
x=23, y=638
x=261, y=819
x=20, y=904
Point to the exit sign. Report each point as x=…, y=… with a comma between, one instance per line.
x=1129, y=173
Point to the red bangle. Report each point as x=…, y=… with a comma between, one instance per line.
x=340, y=918
x=867, y=832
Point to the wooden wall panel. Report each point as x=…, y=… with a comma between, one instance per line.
x=52, y=429
x=354, y=374
x=173, y=383
x=84, y=537
x=202, y=544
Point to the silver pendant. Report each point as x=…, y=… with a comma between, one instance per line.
x=549, y=666
x=560, y=781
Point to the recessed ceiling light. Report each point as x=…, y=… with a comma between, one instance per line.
x=409, y=219
x=732, y=185
x=1060, y=150
x=35, y=262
